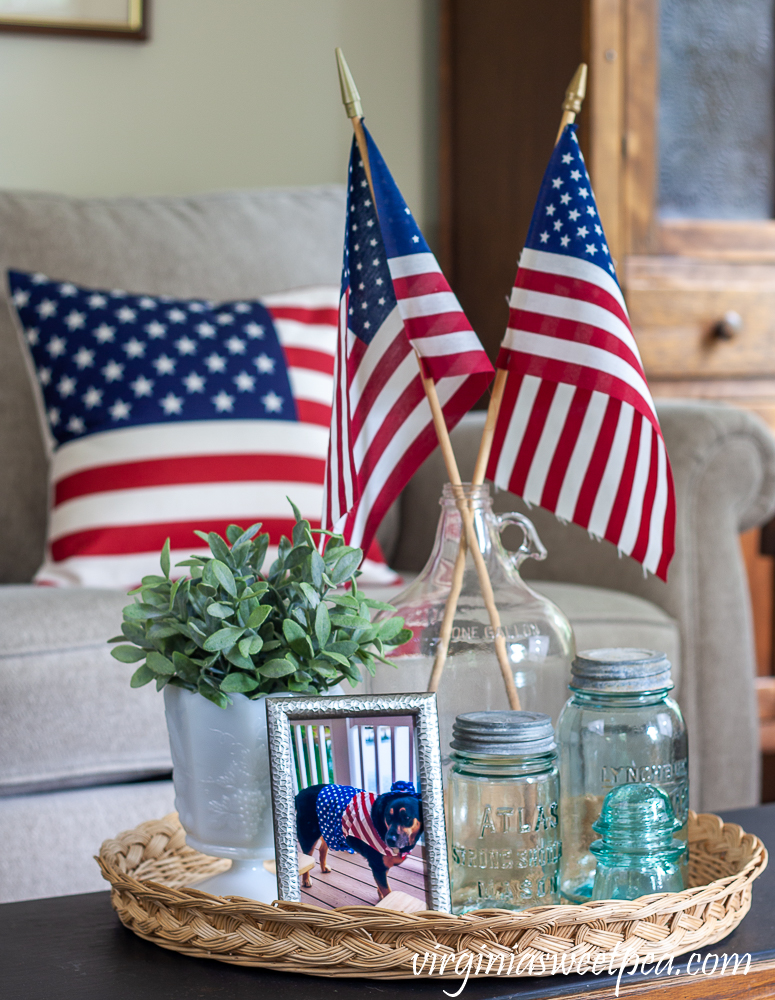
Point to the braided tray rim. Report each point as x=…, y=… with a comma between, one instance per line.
x=148, y=866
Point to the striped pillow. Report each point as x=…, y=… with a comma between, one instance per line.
x=166, y=415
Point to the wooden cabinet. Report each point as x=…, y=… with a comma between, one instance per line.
x=693, y=238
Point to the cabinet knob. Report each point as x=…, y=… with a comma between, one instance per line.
x=729, y=326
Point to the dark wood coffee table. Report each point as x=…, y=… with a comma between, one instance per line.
x=74, y=948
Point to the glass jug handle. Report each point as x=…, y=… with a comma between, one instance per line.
x=532, y=547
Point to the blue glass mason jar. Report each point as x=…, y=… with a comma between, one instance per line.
x=503, y=801
x=619, y=727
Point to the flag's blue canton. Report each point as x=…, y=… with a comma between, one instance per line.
x=330, y=805
x=365, y=266
x=109, y=359
x=401, y=233
x=565, y=219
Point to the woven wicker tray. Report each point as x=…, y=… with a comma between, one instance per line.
x=148, y=866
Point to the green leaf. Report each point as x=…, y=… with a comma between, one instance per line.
x=133, y=612
x=233, y=532
x=141, y=676
x=185, y=667
x=245, y=645
x=276, y=668
x=127, y=654
x=159, y=630
x=258, y=615
x=224, y=575
x=245, y=536
x=346, y=566
x=174, y=590
x=350, y=621
x=164, y=559
x=260, y=546
x=234, y=656
x=297, y=556
x=220, y=610
x=218, y=547
x=224, y=638
x=302, y=687
x=390, y=628
x=336, y=657
x=322, y=625
x=351, y=672
x=403, y=636
x=297, y=638
x=317, y=568
x=313, y=597
x=378, y=605
x=344, y=600
x=213, y=694
x=134, y=632
x=324, y=669
x=237, y=681
x=345, y=648
x=296, y=511
x=160, y=664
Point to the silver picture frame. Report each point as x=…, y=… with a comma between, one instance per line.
x=281, y=712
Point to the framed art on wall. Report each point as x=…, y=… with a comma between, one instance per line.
x=127, y=19
x=357, y=800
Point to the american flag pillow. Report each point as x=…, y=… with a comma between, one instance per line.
x=168, y=415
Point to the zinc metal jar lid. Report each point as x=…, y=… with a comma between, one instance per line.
x=505, y=734
x=620, y=671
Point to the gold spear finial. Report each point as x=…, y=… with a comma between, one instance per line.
x=574, y=97
x=577, y=88
x=350, y=96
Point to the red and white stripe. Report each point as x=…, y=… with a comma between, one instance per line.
x=434, y=322
x=119, y=494
x=382, y=422
x=577, y=432
x=357, y=822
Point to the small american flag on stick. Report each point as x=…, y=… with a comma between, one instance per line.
x=577, y=431
x=395, y=305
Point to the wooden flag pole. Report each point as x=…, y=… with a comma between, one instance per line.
x=352, y=102
x=574, y=96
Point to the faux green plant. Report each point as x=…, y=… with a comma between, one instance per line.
x=229, y=627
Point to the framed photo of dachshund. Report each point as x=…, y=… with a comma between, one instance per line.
x=358, y=802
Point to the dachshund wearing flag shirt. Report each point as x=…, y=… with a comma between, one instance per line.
x=383, y=829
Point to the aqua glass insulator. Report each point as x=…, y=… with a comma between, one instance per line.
x=619, y=727
x=637, y=853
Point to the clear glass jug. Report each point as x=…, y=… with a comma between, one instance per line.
x=538, y=637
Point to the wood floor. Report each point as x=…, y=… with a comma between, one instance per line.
x=350, y=882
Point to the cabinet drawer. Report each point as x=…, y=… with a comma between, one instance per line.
x=675, y=304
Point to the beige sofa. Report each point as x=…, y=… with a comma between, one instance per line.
x=82, y=756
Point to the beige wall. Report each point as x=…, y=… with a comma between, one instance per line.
x=227, y=94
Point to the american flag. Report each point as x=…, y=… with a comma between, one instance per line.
x=167, y=415
x=577, y=431
x=395, y=304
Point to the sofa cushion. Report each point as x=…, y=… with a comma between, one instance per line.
x=222, y=246
x=70, y=719
x=599, y=617
x=68, y=715
x=50, y=839
x=168, y=416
